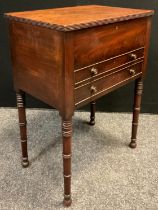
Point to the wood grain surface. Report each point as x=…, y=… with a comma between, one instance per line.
x=105, y=83
x=73, y=18
x=97, y=44
x=37, y=55
x=83, y=75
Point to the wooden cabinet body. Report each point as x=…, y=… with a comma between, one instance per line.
x=71, y=61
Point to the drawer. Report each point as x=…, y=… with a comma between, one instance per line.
x=95, y=88
x=100, y=43
x=84, y=74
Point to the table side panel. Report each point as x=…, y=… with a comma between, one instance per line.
x=147, y=43
x=37, y=61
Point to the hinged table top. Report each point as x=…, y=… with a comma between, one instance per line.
x=78, y=17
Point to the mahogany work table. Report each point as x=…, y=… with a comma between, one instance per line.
x=68, y=57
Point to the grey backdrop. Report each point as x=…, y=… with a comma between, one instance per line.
x=119, y=100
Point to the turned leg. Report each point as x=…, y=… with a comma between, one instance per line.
x=22, y=124
x=92, y=113
x=136, y=111
x=67, y=133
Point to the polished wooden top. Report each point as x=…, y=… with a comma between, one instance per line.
x=78, y=17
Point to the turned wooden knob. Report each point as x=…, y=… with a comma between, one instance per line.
x=93, y=89
x=132, y=72
x=94, y=71
x=133, y=56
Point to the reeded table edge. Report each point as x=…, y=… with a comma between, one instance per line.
x=80, y=25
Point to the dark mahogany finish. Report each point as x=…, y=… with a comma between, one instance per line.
x=67, y=133
x=97, y=47
x=22, y=124
x=69, y=57
x=136, y=110
x=92, y=115
x=104, y=83
x=112, y=64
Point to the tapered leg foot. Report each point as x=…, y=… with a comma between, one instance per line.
x=133, y=145
x=92, y=122
x=25, y=163
x=67, y=203
x=136, y=111
x=67, y=134
x=92, y=115
x=23, y=129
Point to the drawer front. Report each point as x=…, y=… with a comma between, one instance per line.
x=99, y=86
x=101, y=43
x=84, y=74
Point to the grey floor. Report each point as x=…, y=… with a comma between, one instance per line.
x=107, y=175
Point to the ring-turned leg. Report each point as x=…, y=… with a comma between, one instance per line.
x=92, y=113
x=22, y=124
x=136, y=111
x=67, y=134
